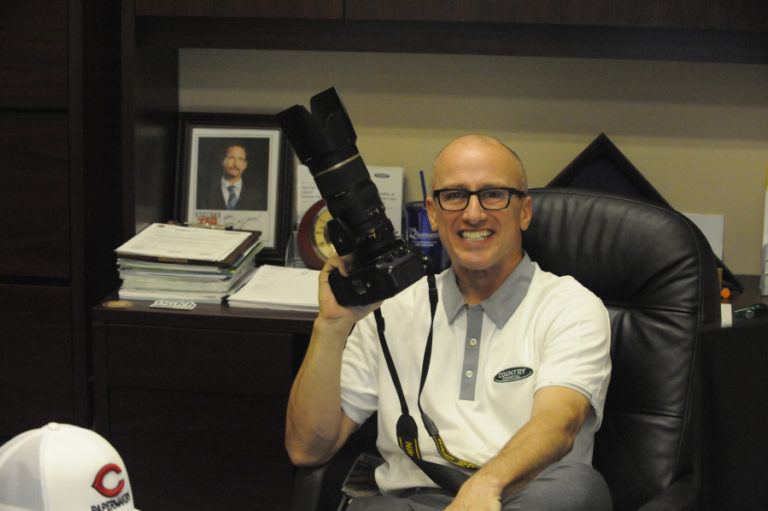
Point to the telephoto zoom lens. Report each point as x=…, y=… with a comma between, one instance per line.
x=324, y=141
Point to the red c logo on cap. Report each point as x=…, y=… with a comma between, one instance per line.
x=98, y=483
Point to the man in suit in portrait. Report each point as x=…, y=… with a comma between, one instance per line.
x=234, y=190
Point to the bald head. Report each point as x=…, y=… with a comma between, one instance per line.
x=464, y=153
x=485, y=245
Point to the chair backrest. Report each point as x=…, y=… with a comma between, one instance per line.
x=657, y=276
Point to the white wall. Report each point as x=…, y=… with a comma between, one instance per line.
x=697, y=131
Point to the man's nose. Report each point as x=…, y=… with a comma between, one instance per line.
x=474, y=212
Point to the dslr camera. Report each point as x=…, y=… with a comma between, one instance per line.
x=324, y=141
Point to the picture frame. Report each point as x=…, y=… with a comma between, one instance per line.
x=248, y=152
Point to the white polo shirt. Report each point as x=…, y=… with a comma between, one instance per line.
x=488, y=360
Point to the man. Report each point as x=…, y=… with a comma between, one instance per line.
x=520, y=359
x=232, y=191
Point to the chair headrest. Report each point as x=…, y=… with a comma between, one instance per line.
x=623, y=249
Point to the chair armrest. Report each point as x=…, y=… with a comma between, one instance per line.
x=679, y=496
x=307, y=487
x=318, y=488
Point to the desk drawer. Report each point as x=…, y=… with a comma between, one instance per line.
x=194, y=360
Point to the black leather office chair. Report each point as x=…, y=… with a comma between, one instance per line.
x=657, y=276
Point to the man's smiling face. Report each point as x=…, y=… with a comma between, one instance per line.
x=477, y=239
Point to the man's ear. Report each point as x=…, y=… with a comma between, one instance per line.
x=431, y=213
x=526, y=212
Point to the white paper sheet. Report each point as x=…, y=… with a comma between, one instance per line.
x=279, y=287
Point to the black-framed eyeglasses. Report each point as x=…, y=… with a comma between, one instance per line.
x=457, y=199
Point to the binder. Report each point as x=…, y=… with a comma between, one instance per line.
x=169, y=243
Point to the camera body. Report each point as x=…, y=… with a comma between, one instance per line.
x=324, y=141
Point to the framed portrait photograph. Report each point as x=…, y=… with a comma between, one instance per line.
x=236, y=170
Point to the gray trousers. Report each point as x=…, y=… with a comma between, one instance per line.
x=563, y=486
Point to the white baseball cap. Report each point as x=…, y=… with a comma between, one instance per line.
x=61, y=467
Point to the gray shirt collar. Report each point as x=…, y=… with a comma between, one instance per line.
x=502, y=304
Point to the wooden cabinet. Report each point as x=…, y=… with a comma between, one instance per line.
x=195, y=402
x=687, y=29
x=59, y=166
x=491, y=11
x=675, y=14
x=35, y=175
x=35, y=357
x=34, y=55
x=330, y=9
x=671, y=14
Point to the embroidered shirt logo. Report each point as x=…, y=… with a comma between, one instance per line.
x=513, y=374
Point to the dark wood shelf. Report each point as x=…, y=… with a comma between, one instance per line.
x=521, y=39
x=330, y=9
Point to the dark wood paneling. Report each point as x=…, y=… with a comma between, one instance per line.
x=492, y=11
x=95, y=155
x=35, y=357
x=330, y=9
x=35, y=188
x=152, y=175
x=641, y=13
x=199, y=360
x=740, y=14
x=59, y=165
x=678, y=14
x=698, y=14
x=686, y=14
x=33, y=53
x=529, y=39
x=202, y=452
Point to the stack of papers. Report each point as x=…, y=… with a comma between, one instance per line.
x=279, y=288
x=174, y=262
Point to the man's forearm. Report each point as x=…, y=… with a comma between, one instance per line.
x=314, y=418
x=541, y=442
x=557, y=418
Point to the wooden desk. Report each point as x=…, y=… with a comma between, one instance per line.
x=194, y=401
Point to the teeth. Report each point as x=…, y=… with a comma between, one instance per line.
x=475, y=235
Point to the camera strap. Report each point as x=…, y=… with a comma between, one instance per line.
x=406, y=429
